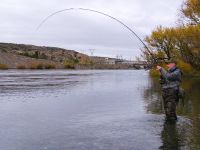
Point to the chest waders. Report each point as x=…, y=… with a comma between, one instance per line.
x=170, y=101
x=171, y=92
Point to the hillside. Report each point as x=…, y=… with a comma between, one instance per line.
x=26, y=56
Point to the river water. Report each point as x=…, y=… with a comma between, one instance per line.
x=93, y=110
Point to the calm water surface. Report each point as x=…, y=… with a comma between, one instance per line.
x=93, y=110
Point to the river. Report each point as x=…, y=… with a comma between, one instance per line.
x=93, y=110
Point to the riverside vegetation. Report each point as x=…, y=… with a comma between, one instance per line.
x=180, y=42
x=3, y=66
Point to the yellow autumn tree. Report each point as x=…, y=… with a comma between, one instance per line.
x=161, y=43
x=180, y=42
x=190, y=12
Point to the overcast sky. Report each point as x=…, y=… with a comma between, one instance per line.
x=82, y=30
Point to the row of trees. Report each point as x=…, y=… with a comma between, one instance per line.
x=181, y=42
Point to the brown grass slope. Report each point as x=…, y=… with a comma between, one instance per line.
x=26, y=56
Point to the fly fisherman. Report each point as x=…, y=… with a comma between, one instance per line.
x=170, y=81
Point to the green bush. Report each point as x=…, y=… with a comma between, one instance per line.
x=154, y=73
x=70, y=64
x=31, y=55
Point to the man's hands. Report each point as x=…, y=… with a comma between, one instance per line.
x=158, y=68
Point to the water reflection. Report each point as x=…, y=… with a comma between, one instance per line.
x=24, y=83
x=174, y=136
x=185, y=134
x=85, y=110
x=169, y=137
x=153, y=97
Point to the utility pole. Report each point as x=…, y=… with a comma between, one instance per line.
x=91, y=52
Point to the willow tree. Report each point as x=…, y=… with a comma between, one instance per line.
x=161, y=42
x=190, y=12
x=187, y=43
x=182, y=42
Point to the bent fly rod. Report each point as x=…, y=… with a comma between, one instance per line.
x=102, y=13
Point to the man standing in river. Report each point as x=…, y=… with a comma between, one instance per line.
x=170, y=81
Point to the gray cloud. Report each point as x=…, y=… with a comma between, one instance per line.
x=84, y=30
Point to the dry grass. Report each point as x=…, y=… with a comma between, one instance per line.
x=21, y=67
x=3, y=67
x=49, y=66
x=70, y=64
x=35, y=66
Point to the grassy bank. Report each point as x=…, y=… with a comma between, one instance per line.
x=36, y=66
x=3, y=67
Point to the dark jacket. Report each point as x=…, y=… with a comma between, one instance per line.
x=171, y=78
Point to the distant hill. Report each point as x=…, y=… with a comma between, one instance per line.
x=30, y=56
x=21, y=56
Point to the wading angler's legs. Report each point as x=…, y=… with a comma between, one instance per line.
x=170, y=102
